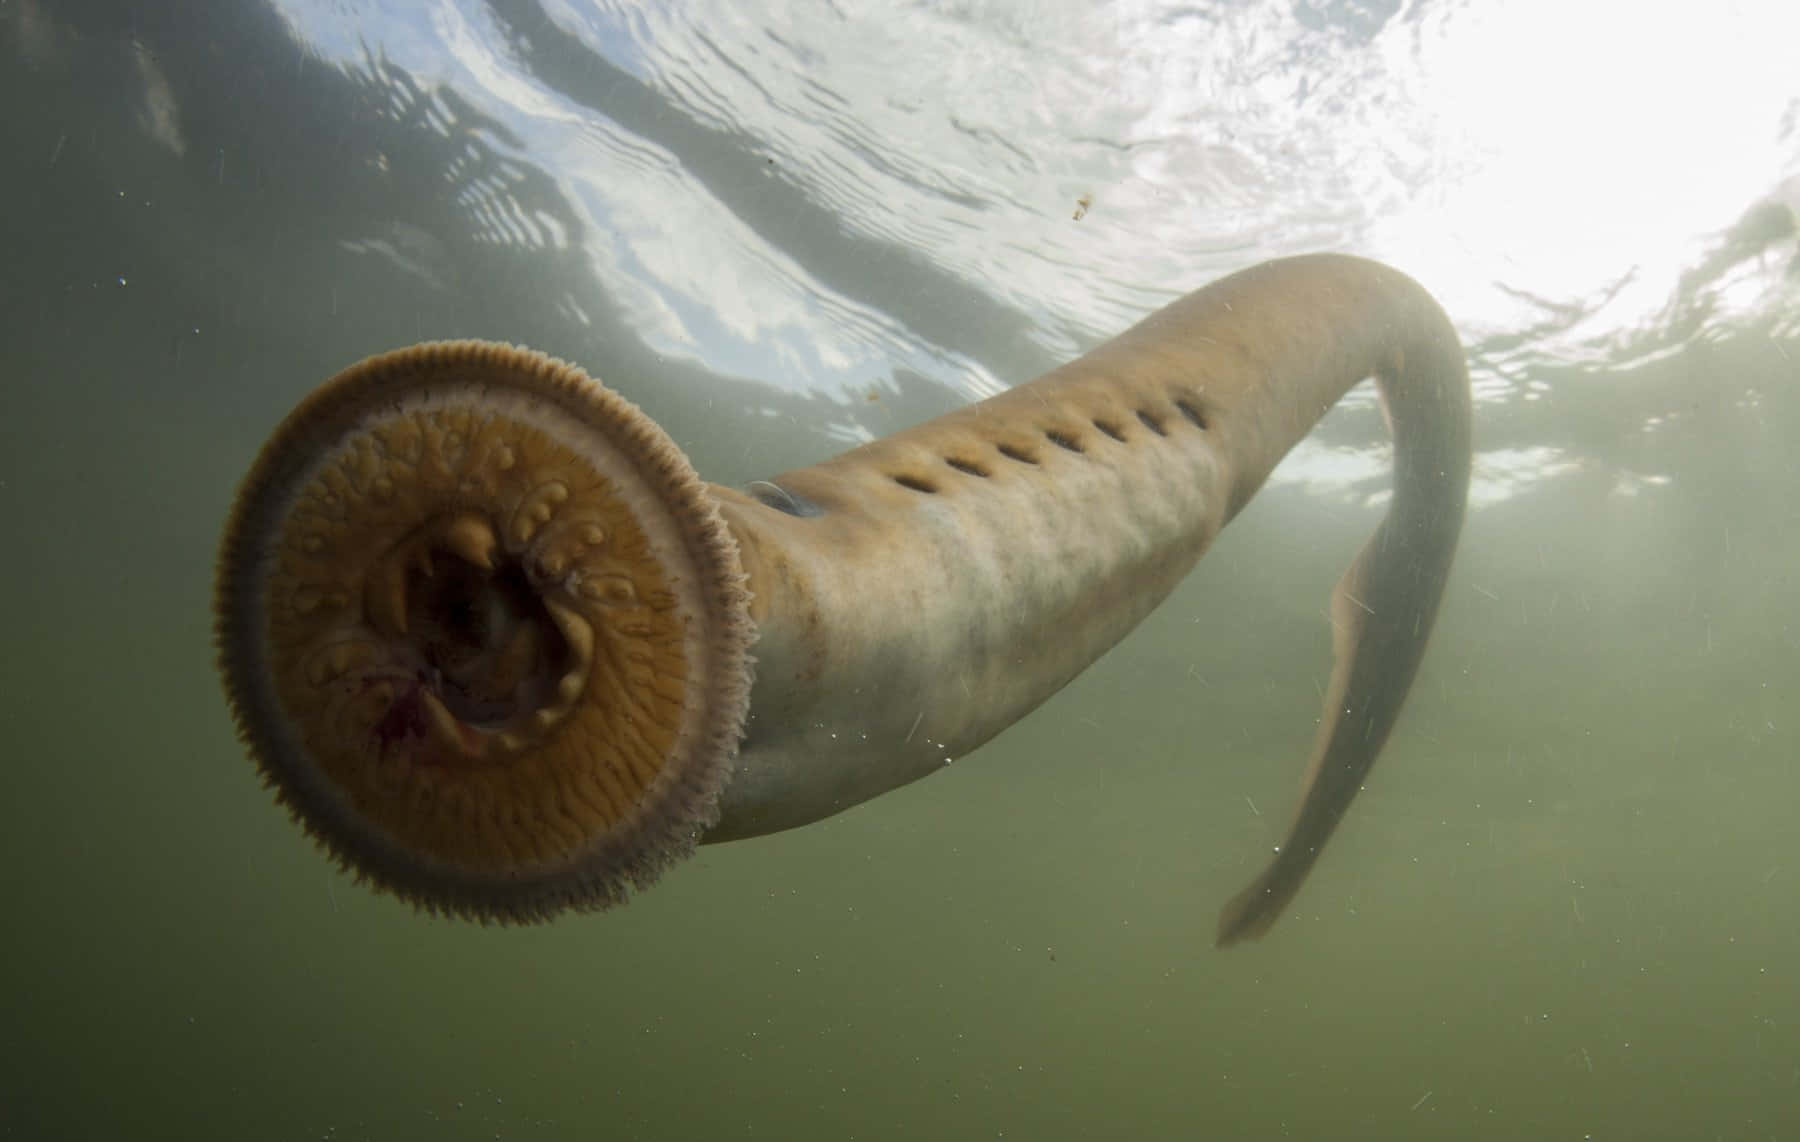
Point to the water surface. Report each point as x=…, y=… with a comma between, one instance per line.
x=1564, y=907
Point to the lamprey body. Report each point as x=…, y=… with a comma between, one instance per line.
x=500, y=649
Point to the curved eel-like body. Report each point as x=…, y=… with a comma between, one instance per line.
x=489, y=636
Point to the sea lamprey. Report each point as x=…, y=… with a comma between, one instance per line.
x=498, y=647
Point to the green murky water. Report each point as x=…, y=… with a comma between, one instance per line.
x=1563, y=909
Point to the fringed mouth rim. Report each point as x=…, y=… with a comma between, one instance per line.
x=672, y=812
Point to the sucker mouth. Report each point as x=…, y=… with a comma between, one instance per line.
x=495, y=662
x=485, y=631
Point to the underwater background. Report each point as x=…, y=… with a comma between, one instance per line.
x=1567, y=906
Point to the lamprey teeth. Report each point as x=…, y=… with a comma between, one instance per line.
x=447, y=731
x=473, y=539
x=575, y=628
x=609, y=590
x=569, y=688
x=536, y=510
